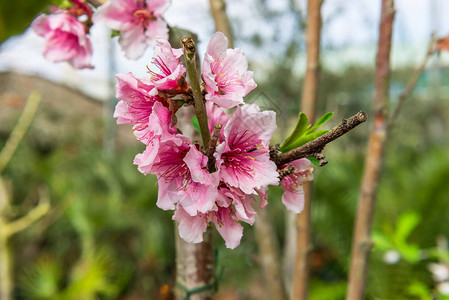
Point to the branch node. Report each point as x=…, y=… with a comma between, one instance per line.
x=288, y=170
x=212, y=144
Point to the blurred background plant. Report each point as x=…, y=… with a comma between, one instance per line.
x=106, y=239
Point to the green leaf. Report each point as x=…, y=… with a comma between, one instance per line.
x=304, y=139
x=314, y=161
x=381, y=241
x=420, y=290
x=405, y=225
x=195, y=123
x=409, y=252
x=321, y=121
x=300, y=129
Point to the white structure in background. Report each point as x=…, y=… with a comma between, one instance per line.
x=349, y=37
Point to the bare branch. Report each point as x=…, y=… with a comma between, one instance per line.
x=32, y=216
x=20, y=129
x=412, y=82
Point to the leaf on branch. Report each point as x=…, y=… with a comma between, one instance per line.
x=300, y=130
x=304, y=132
x=314, y=161
x=195, y=124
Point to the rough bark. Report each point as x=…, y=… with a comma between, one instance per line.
x=308, y=106
x=361, y=245
x=195, y=268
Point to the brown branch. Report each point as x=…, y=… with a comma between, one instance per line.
x=95, y=3
x=288, y=170
x=190, y=55
x=412, y=82
x=308, y=106
x=212, y=144
x=218, y=11
x=361, y=244
x=317, y=145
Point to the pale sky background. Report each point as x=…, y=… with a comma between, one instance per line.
x=349, y=36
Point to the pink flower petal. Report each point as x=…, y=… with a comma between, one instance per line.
x=225, y=73
x=229, y=229
x=191, y=229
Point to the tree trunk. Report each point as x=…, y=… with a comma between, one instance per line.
x=361, y=245
x=308, y=106
x=195, y=268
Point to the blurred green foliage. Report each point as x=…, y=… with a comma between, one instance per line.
x=15, y=16
x=112, y=241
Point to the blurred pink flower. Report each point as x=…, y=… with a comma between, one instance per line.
x=225, y=73
x=293, y=197
x=139, y=21
x=66, y=39
x=243, y=158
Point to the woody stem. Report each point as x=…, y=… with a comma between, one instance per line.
x=189, y=48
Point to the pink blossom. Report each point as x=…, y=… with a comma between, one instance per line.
x=243, y=158
x=293, y=197
x=136, y=103
x=66, y=39
x=241, y=202
x=171, y=73
x=192, y=228
x=225, y=73
x=158, y=131
x=139, y=21
x=182, y=177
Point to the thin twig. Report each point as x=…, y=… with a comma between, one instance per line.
x=412, y=82
x=32, y=216
x=20, y=129
x=212, y=145
x=317, y=145
x=189, y=48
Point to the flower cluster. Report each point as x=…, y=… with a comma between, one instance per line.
x=66, y=29
x=220, y=183
x=242, y=169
